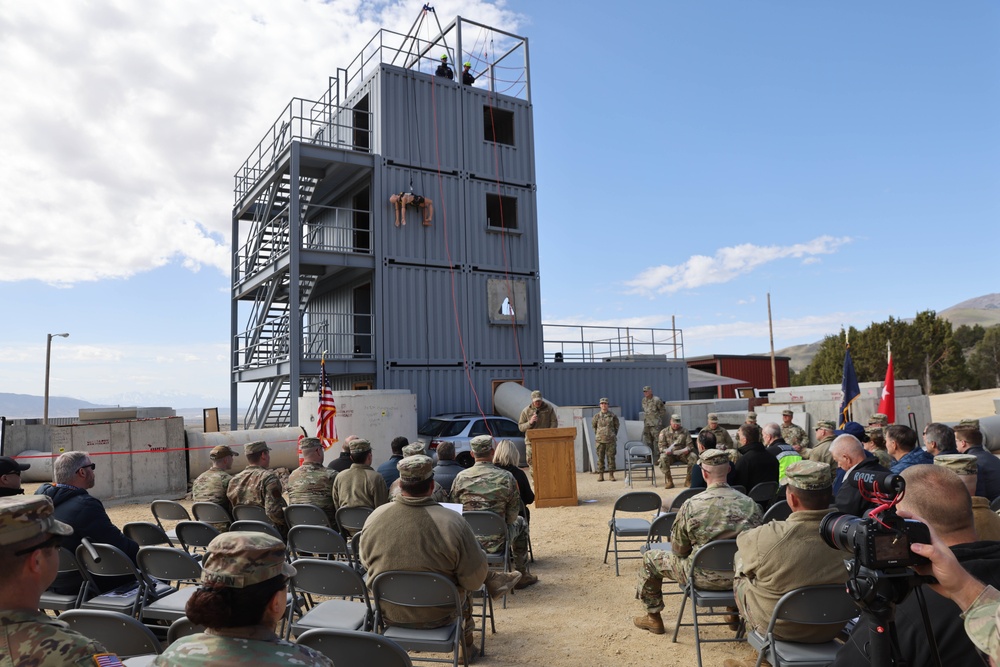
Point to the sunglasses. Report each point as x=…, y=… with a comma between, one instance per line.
x=53, y=542
x=92, y=466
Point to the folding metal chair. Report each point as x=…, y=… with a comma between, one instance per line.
x=779, y=511
x=58, y=602
x=211, y=513
x=353, y=611
x=146, y=534
x=626, y=530
x=119, y=633
x=250, y=526
x=675, y=504
x=629, y=458
x=112, y=562
x=829, y=605
x=356, y=648
x=995, y=505
x=352, y=519
x=195, y=536
x=182, y=627
x=168, y=510
x=640, y=457
x=487, y=524
x=305, y=515
x=414, y=590
x=764, y=493
x=173, y=567
x=658, y=536
x=715, y=556
x=318, y=542
x=250, y=513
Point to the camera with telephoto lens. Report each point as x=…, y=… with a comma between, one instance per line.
x=881, y=542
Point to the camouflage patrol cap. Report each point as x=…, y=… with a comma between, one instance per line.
x=414, y=448
x=878, y=418
x=752, y=416
x=713, y=457
x=647, y=388
x=536, y=395
x=604, y=400
x=415, y=468
x=872, y=429
x=826, y=424
x=221, y=452
x=960, y=464
x=482, y=445
x=239, y=559
x=25, y=517
x=808, y=475
x=310, y=443
x=255, y=447
x=675, y=418
x=360, y=445
x=712, y=417
x=787, y=413
x=968, y=423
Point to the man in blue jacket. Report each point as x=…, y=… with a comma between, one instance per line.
x=74, y=474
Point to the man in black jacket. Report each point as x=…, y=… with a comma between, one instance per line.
x=447, y=467
x=755, y=465
x=939, y=497
x=850, y=457
x=969, y=440
x=74, y=474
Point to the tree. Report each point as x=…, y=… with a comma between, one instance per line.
x=967, y=336
x=984, y=362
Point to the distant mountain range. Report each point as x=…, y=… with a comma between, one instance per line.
x=25, y=406
x=983, y=310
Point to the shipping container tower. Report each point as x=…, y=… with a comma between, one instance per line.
x=390, y=226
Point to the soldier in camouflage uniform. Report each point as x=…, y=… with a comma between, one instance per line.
x=676, y=445
x=212, y=485
x=723, y=441
x=876, y=445
x=718, y=513
x=240, y=567
x=653, y=414
x=825, y=434
x=880, y=420
x=791, y=433
x=605, y=424
x=484, y=486
x=311, y=483
x=29, y=557
x=256, y=485
x=537, y=415
x=360, y=485
x=418, y=448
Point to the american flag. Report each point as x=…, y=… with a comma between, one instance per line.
x=326, y=431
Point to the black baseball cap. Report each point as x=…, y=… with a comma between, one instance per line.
x=9, y=465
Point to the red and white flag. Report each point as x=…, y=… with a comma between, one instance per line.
x=887, y=404
x=326, y=431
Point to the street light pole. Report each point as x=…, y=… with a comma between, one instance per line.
x=48, y=357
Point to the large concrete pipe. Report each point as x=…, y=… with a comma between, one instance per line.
x=990, y=427
x=282, y=441
x=41, y=465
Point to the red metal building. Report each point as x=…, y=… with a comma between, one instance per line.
x=754, y=370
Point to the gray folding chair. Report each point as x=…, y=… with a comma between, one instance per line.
x=250, y=513
x=630, y=530
x=305, y=515
x=675, y=504
x=59, y=602
x=249, y=526
x=329, y=578
x=995, y=505
x=194, y=536
x=211, y=513
x=345, y=647
x=112, y=562
x=829, y=605
x=764, y=493
x=168, y=510
x=318, y=542
x=414, y=590
x=119, y=633
x=658, y=536
x=173, y=567
x=352, y=519
x=640, y=458
x=145, y=534
x=629, y=459
x=182, y=627
x=779, y=511
x=714, y=556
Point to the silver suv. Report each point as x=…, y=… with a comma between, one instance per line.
x=459, y=428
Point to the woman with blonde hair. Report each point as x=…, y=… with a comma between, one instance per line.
x=506, y=456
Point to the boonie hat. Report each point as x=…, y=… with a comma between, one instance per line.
x=808, y=475
x=9, y=465
x=415, y=468
x=960, y=464
x=482, y=444
x=25, y=517
x=239, y=559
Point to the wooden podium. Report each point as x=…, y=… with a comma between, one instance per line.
x=553, y=465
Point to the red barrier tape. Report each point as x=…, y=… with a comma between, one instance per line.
x=150, y=451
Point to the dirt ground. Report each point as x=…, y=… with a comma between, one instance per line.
x=580, y=612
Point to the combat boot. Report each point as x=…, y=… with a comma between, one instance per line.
x=499, y=584
x=527, y=579
x=611, y=476
x=600, y=477
x=668, y=479
x=650, y=622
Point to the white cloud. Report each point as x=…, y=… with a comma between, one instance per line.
x=125, y=121
x=727, y=264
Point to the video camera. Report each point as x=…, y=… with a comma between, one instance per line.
x=882, y=540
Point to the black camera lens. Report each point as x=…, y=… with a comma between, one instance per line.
x=838, y=530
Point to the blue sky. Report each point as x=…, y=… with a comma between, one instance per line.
x=691, y=157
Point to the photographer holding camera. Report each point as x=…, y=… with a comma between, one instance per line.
x=940, y=498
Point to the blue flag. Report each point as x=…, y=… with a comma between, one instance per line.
x=850, y=387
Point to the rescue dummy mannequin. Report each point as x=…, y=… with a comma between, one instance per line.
x=404, y=199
